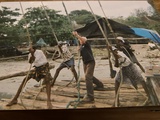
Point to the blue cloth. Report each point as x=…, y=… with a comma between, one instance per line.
x=146, y=33
x=68, y=63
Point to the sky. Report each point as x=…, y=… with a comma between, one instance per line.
x=111, y=8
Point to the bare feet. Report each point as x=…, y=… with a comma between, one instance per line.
x=12, y=103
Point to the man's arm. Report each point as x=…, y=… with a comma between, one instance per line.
x=59, y=51
x=31, y=55
x=31, y=59
x=80, y=38
x=116, y=56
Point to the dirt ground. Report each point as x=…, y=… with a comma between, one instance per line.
x=8, y=87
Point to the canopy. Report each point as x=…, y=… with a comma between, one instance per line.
x=41, y=42
x=91, y=30
x=146, y=33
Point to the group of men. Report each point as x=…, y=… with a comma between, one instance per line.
x=123, y=59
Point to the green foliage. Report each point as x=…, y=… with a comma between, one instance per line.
x=142, y=19
x=41, y=27
x=82, y=16
x=36, y=22
x=7, y=25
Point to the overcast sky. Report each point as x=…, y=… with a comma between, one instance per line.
x=111, y=8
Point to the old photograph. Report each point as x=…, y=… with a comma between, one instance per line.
x=79, y=54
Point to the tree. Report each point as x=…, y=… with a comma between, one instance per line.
x=8, y=27
x=142, y=19
x=82, y=16
x=39, y=27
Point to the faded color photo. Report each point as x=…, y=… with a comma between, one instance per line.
x=79, y=54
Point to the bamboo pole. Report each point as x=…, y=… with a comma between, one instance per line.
x=23, y=73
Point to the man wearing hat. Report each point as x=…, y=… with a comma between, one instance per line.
x=125, y=47
x=68, y=61
x=128, y=71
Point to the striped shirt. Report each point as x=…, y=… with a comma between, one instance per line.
x=66, y=53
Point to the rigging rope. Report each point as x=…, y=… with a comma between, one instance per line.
x=79, y=59
x=29, y=38
x=30, y=43
x=118, y=91
x=107, y=48
x=104, y=35
x=114, y=35
x=100, y=27
x=52, y=29
x=69, y=20
x=53, y=32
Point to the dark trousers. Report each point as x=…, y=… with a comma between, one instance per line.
x=90, y=79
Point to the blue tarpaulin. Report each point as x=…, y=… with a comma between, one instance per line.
x=146, y=33
x=41, y=42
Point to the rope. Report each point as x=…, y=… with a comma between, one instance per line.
x=37, y=95
x=98, y=24
x=141, y=94
x=69, y=20
x=53, y=32
x=114, y=35
x=29, y=38
x=31, y=64
x=116, y=98
x=30, y=43
x=104, y=35
x=78, y=89
x=79, y=59
x=26, y=79
x=50, y=25
x=117, y=95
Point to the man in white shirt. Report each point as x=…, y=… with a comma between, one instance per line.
x=41, y=71
x=124, y=46
x=128, y=71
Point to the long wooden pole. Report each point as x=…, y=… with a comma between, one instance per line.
x=104, y=35
x=23, y=73
x=28, y=34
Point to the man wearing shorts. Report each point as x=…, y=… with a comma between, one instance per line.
x=40, y=71
x=68, y=61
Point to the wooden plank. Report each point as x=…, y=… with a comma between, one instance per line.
x=156, y=86
x=23, y=73
x=14, y=57
x=152, y=94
